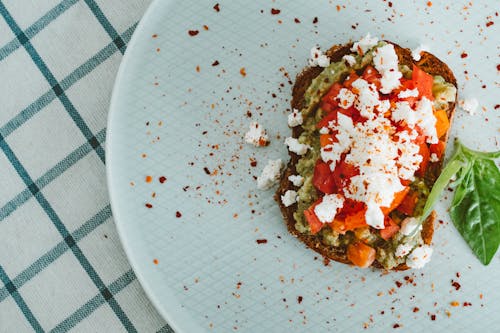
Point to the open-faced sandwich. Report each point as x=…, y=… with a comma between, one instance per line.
x=370, y=125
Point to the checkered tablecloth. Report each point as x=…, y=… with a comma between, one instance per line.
x=61, y=263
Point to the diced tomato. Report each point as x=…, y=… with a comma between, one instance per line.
x=360, y=254
x=371, y=75
x=349, y=222
x=442, y=123
x=332, y=116
x=311, y=218
x=331, y=96
x=405, y=85
x=343, y=172
x=323, y=178
x=398, y=197
x=352, y=206
x=423, y=82
x=327, y=107
x=350, y=79
x=405, y=182
x=327, y=139
x=408, y=204
x=438, y=148
x=390, y=228
x=424, y=151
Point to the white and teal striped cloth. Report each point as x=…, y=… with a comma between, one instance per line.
x=62, y=267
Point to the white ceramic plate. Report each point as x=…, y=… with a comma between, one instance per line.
x=176, y=114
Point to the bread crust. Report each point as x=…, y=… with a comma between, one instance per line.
x=428, y=63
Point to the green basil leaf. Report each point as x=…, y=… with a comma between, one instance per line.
x=448, y=172
x=475, y=208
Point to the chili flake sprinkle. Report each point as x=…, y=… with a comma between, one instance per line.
x=155, y=261
x=149, y=179
x=148, y=205
x=243, y=71
x=162, y=179
x=193, y=33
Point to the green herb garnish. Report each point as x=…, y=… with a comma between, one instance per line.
x=475, y=209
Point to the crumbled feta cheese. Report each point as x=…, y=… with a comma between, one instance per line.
x=346, y=98
x=403, y=112
x=289, y=198
x=327, y=209
x=408, y=93
x=270, y=175
x=324, y=130
x=296, y=147
x=295, y=118
x=409, y=225
x=469, y=104
x=297, y=180
x=385, y=60
x=416, y=53
x=364, y=44
x=368, y=97
x=384, y=106
x=256, y=135
x=374, y=216
x=351, y=61
x=410, y=158
x=333, y=152
x=419, y=257
x=403, y=250
x=434, y=158
x=426, y=120
x=318, y=58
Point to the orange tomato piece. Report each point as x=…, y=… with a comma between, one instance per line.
x=311, y=218
x=438, y=148
x=360, y=254
x=442, y=123
x=391, y=228
x=408, y=204
x=424, y=151
x=327, y=139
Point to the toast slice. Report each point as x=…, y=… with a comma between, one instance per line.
x=428, y=63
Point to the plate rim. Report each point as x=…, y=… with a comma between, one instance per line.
x=168, y=316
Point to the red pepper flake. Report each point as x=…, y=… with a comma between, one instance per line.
x=193, y=33
x=489, y=24
x=205, y=27
x=198, y=68
x=433, y=317
x=296, y=20
x=429, y=3
x=396, y=326
x=155, y=261
x=243, y=71
x=148, y=205
x=215, y=63
x=467, y=304
x=158, y=50
x=338, y=8
x=178, y=214
x=498, y=67
x=315, y=20
x=238, y=285
x=455, y=284
x=261, y=241
x=206, y=170
x=299, y=299
x=217, y=8
x=398, y=284
x=458, y=274
x=154, y=36
x=463, y=55
x=149, y=179
x=454, y=303
x=275, y=11
x=497, y=106
x=162, y=179
x=253, y=162
x=389, y=4
x=415, y=310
